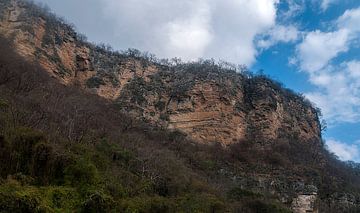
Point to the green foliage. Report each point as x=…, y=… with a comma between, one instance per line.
x=116, y=153
x=186, y=203
x=138, y=168
x=17, y=197
x=81, y=174
x=147, y=204
x=98, y=203
x=201, y=203
x=19, y=202
x=62, y=198
x=3, y=104
x=85, y=189
x=22, y=151
x=258, y=206
x=239, y=194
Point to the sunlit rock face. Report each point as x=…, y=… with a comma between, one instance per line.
x=208, y=105
x=207, y=102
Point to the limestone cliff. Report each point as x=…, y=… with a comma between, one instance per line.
x=219, y=106
x=40, y=36
x=209, y=103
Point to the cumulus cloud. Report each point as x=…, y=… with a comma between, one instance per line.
x=279, y=33
x=193, y=28
x=318, y=48
x=354, y=69
x=338, y=85
x=350, y=20
x=338, y=94
x=344, y=151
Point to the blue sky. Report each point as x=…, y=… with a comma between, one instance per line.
x=312, y=46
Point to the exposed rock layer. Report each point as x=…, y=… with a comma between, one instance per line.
x=208, y=104
x=220, y=107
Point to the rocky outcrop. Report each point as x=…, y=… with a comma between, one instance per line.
x=207, y=101
x=304, y=204
x=226, y=111
x=207, y=114
x=208, y=106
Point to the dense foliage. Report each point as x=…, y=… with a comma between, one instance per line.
x=64, y=150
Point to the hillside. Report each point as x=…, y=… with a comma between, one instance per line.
x=208, y=101
x=87, y=128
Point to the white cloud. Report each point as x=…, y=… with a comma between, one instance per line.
x=338, y=86
x=338, y=92
x=350, y=20
x=189, y=36
x=318, y=48
x=277, y=34
x=344, y=151
x=326, y=3
x=354, y=69
x=193, y=28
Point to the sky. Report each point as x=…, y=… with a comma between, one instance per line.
x=311, y=46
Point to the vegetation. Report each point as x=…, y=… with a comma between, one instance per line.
x=63, y=150
x=3, y=5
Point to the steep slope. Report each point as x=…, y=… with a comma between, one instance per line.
x=270, y=137
x=208, y=101
x=62, y=150
x=213, y=104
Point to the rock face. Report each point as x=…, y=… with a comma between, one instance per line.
x=303, y=198
x=304, y=204
x=221, y=107
x=209, y=106
x=207, y=101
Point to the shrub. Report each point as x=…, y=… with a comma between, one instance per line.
x=147, y=204
x=258, y=206
x=200, y=203
x=62, y=198
x=94, y=82
x=237, y=194
x=14, y=198
x=18, y=203
x=98, y=203
x=41, y=162
x=114, y=152
x=21, y=145
x=81, y=174
x=277, y=159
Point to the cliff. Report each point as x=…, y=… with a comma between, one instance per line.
x=269, y=136
x=208, y=102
